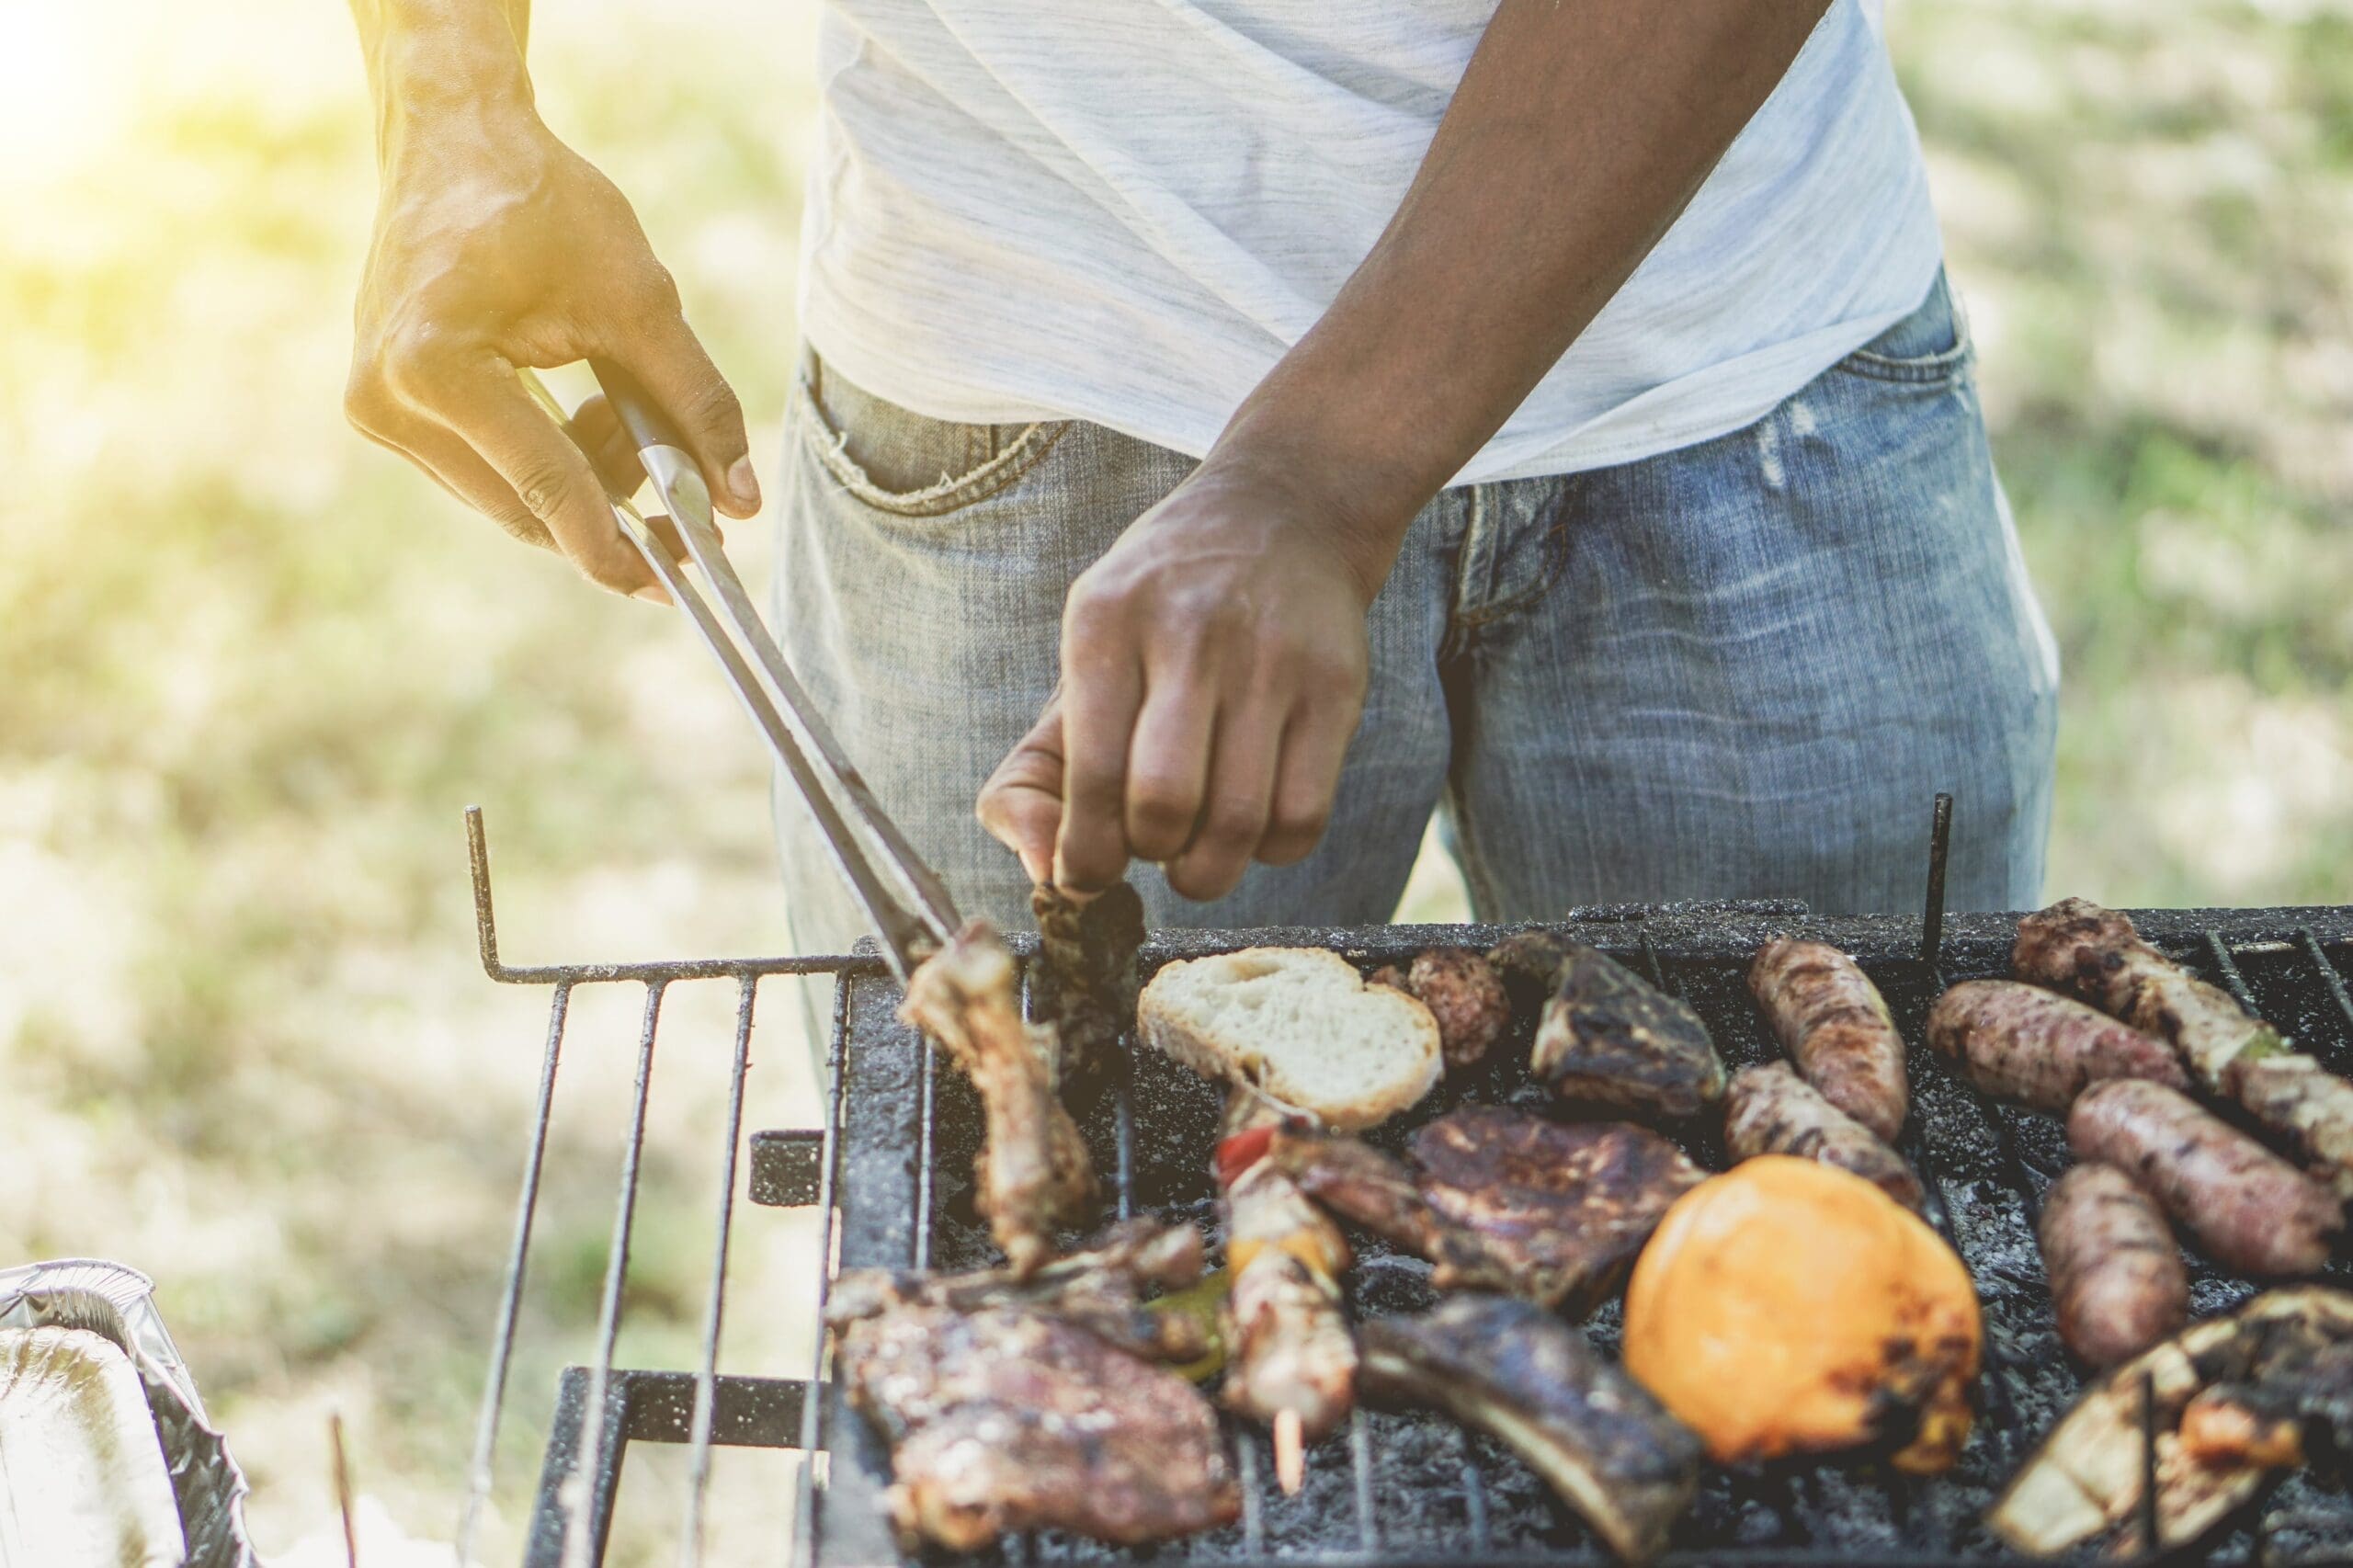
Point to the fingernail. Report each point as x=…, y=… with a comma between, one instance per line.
x=742, y=483
x=652, y=594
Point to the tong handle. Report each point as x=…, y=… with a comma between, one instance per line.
x=647, y=425
x=659, y=445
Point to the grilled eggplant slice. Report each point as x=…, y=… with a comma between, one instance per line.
x=1032, y=1175
x=1505, y=1200
x=1505, y=1367
x=1608, y=1038
x=2086, y=1476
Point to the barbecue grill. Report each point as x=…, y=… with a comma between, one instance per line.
x=890, y=1173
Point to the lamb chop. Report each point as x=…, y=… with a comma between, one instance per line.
x=1607, y=1038
x=1504, y=1200
x=1290, y=1360
x=1032, y=1175
x=1596, y=1436
x=1026, y=1401
x=1085, y=982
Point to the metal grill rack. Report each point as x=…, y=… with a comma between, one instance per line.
x=888, y=1173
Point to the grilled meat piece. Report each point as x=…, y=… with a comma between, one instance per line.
x=2086, y=1476
x=1771, y=1110
x=2095, y=952
x=1598, y=1439
x=1287, y=1344
x=1016, y=1402
x=1463, y=992
x=1032, y=1175
x=1608, y=1038
x=1835, y=1026
x=2021, y=1042
x=2312, y=1108
x=1013, y=1419
x=1505, y=1200
x=1101, y=1289
x=2251, y=1211
x=1085, y=982
x=2115, y=1277
x=2078, y=947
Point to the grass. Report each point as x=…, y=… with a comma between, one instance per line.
x=251, y=669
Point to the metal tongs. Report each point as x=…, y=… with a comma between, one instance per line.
x=906, y=901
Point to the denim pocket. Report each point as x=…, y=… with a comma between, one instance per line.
x=896, y=460
x=1932, y=344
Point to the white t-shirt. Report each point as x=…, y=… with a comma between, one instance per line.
x=1126, y=211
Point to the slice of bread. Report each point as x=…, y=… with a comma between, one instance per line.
x=1302, y=1025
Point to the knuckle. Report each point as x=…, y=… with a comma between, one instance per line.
x=364, y=402
x=545, y=489
x=413, y=354
x=714, y=405
x=1295, y=824
x=1236, y=820
x=1160, y=812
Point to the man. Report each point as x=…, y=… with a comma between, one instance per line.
x=1244, y=426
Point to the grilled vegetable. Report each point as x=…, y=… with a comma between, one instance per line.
x=2250, y=1210
x=1607, y=1038
x=1032, y=1174
x=1291, y=1361
x=1789, y=1306
x=1515, y=1371
x=1463, y=992
x=1085, y=984
x=2116, y=1275
x=1504, y=1200
x=1771, y=1110
x=1834, y=1025
x=2086, y=1476
x=2021, y=1042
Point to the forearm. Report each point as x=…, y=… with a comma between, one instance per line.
x=1580, y=130
x=423, y=55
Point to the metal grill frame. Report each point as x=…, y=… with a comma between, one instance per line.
x=886, y=1217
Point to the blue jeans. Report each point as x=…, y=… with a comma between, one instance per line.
x=1740, y=669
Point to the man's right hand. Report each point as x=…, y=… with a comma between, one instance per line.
x=496, y=246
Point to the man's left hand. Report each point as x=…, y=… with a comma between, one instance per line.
x=1213, y=670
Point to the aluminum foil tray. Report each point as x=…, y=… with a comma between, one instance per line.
x=117, y=1304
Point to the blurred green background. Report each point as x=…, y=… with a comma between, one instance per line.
x=251, y=668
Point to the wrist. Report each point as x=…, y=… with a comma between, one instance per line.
x=434, y=59
x=1301, y=447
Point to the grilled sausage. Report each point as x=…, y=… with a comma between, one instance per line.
x=2252, y=1211
x=2077, y=945
x=1832, y=1022
x=1771, y=1110
x=2021, y=1042
x=2116, y=1275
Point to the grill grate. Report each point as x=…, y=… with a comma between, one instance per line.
x=888, y=1171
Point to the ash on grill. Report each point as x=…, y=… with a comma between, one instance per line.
x=1389, y=1487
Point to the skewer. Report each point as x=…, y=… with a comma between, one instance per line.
x=1290, y=1452
x=342, y=1489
